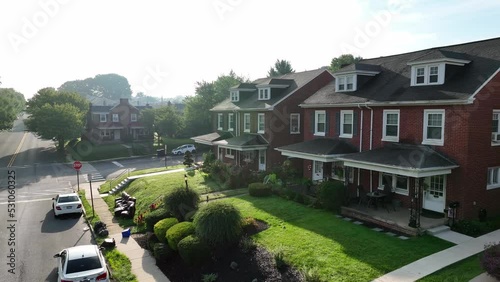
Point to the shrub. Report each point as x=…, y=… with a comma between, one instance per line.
x=249, y=225
x=153, y=217
x=208, y=160
x=151, y=240
x=193, y=250
x=299, y=198
x=279, y=259
x=247, y=244
x=212, y=277
x=218, y=224
x=162, y=226
x=473, y=228
x=289, y=194
x=178, y=232
x=259, y=189
x=331, y=194
x=490, y=260
x=181, y=201
x=162, y=252
x=311, y=275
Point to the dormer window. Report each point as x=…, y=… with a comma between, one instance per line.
x=346, y=83
x=264, y=93
x=235, y=96
x=427, y=74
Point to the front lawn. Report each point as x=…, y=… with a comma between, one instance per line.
x=86, y=151
x=464, y=270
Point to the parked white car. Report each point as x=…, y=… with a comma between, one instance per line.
x=181, y=150
x=67, y=204
x=82, y=263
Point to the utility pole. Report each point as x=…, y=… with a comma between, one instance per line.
x=91, y=194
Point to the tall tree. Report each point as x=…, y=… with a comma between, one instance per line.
x=280, y=67
x=57, y=114
x=111, y=86
x=342, y=60
x=164, y=121
x=11, y=104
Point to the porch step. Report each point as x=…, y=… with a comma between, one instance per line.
x=446, y=234
x=438, y=229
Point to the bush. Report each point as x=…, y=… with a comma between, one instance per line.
x=218, y=224
x=259, y=189
x=181, y=201
x=249, y=225
x=162, y=226
x=162, y=252
x=279, y=259
x=247, y=244
x=299, y=198
x=151, y=240
x=212, y=277
x=331, y=194
x=490, y=260
x=153, y=217
x=193, y=250
x=178, y=232
x=473, y=228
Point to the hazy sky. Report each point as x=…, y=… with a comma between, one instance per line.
x=164, y=47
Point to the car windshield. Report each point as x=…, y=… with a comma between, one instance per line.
x=83, y=264
x=68, y=199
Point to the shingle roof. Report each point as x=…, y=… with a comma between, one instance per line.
x=245, y=140
x=393, y=83
x=359, y=67
x=321, y=146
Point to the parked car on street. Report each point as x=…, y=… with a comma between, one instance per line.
x=183, y=149
x=67, y=204
x=82, y=263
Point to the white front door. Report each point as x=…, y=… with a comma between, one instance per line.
x=117, y=134
x=317, y=171
x=434, y=193
x=262, y=160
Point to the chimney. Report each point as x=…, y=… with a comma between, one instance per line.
x=123, y=101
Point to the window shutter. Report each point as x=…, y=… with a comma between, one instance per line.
x=327, y=124
x=337, y=124
x=355, y=123
x=311, y=125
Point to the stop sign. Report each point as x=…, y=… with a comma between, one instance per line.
x=77, y=165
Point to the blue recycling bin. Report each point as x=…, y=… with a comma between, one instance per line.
x=126, y=233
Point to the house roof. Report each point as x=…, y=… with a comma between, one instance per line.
x=209, y=138
x=250, y=101
x=245, y=142
x=392, y=84
x=402, y=159
x=359, y=67
x=319, y=149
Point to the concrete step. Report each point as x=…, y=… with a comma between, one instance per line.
x=438, y=229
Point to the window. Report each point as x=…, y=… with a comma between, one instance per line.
x=261, y=123
x=102, y=117
x=248, y=156
x=264, y=93
x=398, y=183
x=433, y=74
x=390, y=131
x=105, y=132
x=427, y=74
x=246, y=122
x=493, y=178
x=320, y=124
x=401, y=184
x=435, y=185
x=495, y=128
x=294, y=123
x=220, y=121
x=230, y=126
x=229, y=153
x=346, y=124
x=115, y=117
x=345, y=83
x=133, y=117
x=235, y=96
x=338, y=172
x=433, y=127
x=420, y=76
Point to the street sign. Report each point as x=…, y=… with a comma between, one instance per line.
x=77, y=165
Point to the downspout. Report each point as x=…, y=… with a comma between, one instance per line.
x=371, y=143
x=360, y=140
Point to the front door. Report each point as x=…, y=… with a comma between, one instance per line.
x=117, y=134
x=262, y=160
x=434, y=193
x=317, y=171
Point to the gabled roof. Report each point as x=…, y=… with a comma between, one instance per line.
x=245, y=86
x=319, y=149
x=392, y=84
x=209, y=138
x=250, y=100
x=358, y=67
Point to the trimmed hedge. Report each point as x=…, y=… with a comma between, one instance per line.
x=162, y=251
x=153, y=217
x=218, y=224
x=181, y=201
x=162, y=226
x=178, y=232
x=331, y=194
x=258, y=189
x=193, y=250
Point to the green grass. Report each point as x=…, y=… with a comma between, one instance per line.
x=86, y=151
x=464, y=270
x=89, y=216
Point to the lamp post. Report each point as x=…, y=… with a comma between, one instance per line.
x=186, y=180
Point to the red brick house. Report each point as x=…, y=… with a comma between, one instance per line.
x=424, y=123
x=260, y=116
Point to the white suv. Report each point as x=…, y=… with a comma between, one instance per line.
x=183, y=149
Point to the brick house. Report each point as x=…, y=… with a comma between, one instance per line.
x=260, y=116
x=116, y=123
x=424, y=123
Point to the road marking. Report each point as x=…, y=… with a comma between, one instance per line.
x=29, y=201
x=17, y=150
x=117, y=164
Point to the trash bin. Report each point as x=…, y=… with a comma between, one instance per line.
x=160, y=153
x=126, y=233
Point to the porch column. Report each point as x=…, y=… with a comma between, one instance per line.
x=416, y=203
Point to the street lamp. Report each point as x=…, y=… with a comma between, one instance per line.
x=186, y=180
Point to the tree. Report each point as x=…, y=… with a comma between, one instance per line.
x=280, y=67
x=188, y=159
x=11, y=104
x=111, y=86
x=342, y=60
x=57, y=114
x=165, y=121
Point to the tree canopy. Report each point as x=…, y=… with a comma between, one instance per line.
x=11, y=104
x=165, y=121
x=344, y=59
x=57, y=114
x=280, y=67
x=111, y=86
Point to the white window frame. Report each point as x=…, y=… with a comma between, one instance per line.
x=297, y=130
x=115, y=118
x=426, y=139
x=133, y=117
x=246, y=121
x=495, y=135
x=340, y=165
x=317, y=114
x=103, y=118
x=265, y=93
x=493, y=178
x=342, y=117
x=397, y=190
x=384, y=129
x=261, y=123
x=229, y=153
x=342, y=82
x=235, y=96
x=230, y=122
x=105, y=132
x=427, y=74
x=220, y=121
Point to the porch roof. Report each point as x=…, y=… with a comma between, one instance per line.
x=245, y=142
x=402, y=159
x=210, y=138
x=319, y=149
